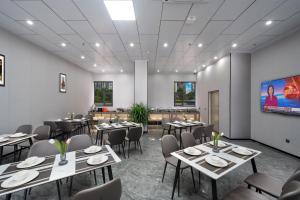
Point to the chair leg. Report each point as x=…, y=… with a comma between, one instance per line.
x=71, y=185
x=103, y=174
x=178, y=184
x=139, y=143
x=199, y=174
x=25, y=194
x=163, y=133
x=58, y=190
x=95, y=177
x=123, y=150
x=128, y=148
x=164, y=172
x=193, y=178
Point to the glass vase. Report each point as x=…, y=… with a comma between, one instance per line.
x=63, y=159
x=216, y=147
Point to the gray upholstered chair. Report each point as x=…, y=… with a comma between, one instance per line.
x=168, y=145
x=79, y=142
x=116, y=138
x=109, y=191
x=78, y=116
x=54, y=130
x=166, y=127
x=134, y=135
x=208, y=129
x=188, y=140
x=198, y=133
x=290, y=191
x=43, y=132
x=267, y=184
x=24, y=129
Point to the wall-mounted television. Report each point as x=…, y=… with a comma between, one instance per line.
x=281, y=96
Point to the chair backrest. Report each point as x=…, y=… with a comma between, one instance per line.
x=168, y=145
x=65, y=126
x=78, y=116
x=188, y=140
x=79, y=142
x=208, y=130
x=290, y=191
x=43, y=132
x=198, y=132
x=108, y=191
x=135, y=133
x=53, y=126
x=164, y=121
x=295, y=176
x=42, y=148
x=24, y=129
x=116, y=137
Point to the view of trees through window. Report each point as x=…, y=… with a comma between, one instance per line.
x=184, y=94
x=103, y=93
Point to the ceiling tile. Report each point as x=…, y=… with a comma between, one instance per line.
x=77, y=42
x=149, y=42
x=173, y=11
x=285, y=11
x=13, y=26
x=12, y=10
x=84, y=29
x=113, y=41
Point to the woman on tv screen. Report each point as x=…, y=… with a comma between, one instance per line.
x=271, y=99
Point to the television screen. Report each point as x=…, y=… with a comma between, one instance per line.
x=281, y=95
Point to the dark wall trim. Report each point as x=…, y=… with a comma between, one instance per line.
x=230, y=95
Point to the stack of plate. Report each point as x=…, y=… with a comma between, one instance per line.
x=30, y=162
x=3, y=139
x=192, y=151
x=92, y=149
x=242, y=151
x=17, y=135
x=97, y=159
x=20, y=178
x=216, y=161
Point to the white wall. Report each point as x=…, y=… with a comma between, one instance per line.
x=31, y=93
x=123, y=88
x=276, y=61
x=215, y=77
x=161, y=88
x=141, y=81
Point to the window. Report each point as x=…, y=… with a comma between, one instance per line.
x=103, y=93
x=184, y=94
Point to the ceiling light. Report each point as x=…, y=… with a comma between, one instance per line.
x=190, y=19
x=103, y=70
x=120, y=10
x=234, y=45
x=121, y=70
x=158, y=71
x=63, y=44
x=131, y=44
x=82, y=57
x=200, y=45
x=95, y=65
x=29, y=22
x=215, y=57
x=195, y=70
x=97, y=44
x=203, y=66
x=165, y=44
x=176, y=70
x=269, y=22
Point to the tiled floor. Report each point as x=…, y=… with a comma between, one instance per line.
x=141, y=175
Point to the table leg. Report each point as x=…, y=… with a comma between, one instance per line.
x=97, y=137
x=30, y=141
x=89, y=129
x=214, y=189
x=169, y=130
x=1, y=154
x=180, y=139
x=8, y=197
x=110, y=175
x=176, y=177
x=101, y=137
x=253, y=165
x=103, y=174
x=58, y=190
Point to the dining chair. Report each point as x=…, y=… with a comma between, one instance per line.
x=110, y=191
x=134, y=135
x=24, y=129
x=166, y=127
x=116, y=138
x=198, y=133
x=54, y=130
x=80, y=142
x=67, y=128
x=208, y=129
x=42, y=149
x=269, y=185
x=42, y=132
x=169, y=144
x=78, y=116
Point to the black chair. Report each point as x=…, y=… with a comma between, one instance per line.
x=109, y=191
x=54, y=130
x=67, y=128
x=198, y=133
x=208, y=129
x=116, y=138
x=168, y=145
x=134, y=135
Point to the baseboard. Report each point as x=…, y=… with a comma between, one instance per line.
x=295, y=156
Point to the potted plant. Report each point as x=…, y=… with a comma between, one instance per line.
x=139, y=113
x=62, y=147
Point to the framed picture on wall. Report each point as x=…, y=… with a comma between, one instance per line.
x=2, y=70
x=62, y=83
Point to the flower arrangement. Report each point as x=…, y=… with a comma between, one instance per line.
x=216, y=137
x=62, y=147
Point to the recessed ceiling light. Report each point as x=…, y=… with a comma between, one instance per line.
x=131, y=44
x=82, y=57
x=63, y=44
x=121, y=70
x=234, y=45
x=166, y=44
x=29, y=22
x=190, y=19
x=203, y=66
x=95, y=65
x=269, y=22
x=158, y=71
x=120, y=10
x=176, y=70
x=215, y=57
x=103, y=70
x=200, y=45
x=97, y=44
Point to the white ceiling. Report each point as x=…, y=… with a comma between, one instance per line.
x=82, y=23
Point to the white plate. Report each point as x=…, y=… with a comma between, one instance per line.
x=216, y=161
x=20, y=178
x=192, y=151
x=3, y=139
x=242, y=151
x=17, y=135
x=220, y=143
x=77, y=120
x=97, y=159
x=93, y=149
x=30, y=162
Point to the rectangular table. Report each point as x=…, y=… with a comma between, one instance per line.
x=101, y=129
x=14, y=141
x=46, y=170
x=75, y=121
x=198, y=162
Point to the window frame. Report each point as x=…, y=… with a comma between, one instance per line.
x=175, y=82
x=112, y=96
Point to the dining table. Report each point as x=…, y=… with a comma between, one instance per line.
x=82, y=121
x=232, y=156
x=50, y=171
x=107, y=127
x=9, y=139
